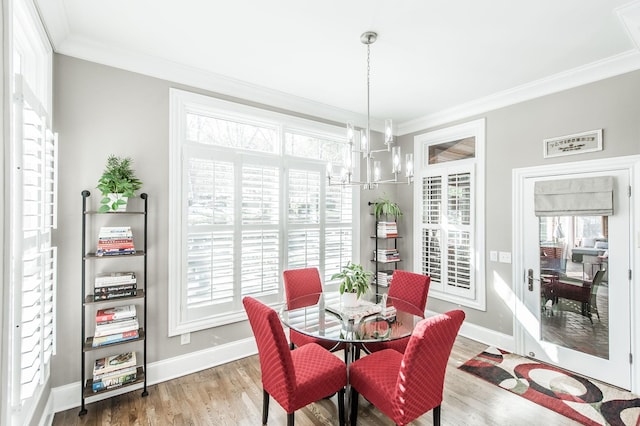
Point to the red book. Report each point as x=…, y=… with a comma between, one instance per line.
x=119, y=312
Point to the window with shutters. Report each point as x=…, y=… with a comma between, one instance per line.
x=449, y=192
x=32, y=214
x=249, y=199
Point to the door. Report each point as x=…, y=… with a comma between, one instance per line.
x=575, y=310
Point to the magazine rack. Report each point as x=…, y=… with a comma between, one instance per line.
x=91, y=265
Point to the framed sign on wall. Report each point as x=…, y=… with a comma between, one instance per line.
x=573, y=144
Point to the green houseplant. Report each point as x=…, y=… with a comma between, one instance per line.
x=353, y=279
x=384, y=206
x=117, y=183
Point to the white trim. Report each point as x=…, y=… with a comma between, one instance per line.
x=629, y=15
x=609, y=67
x=65, y=43
x=68, y=396
x=519, y=176
x=472, y=128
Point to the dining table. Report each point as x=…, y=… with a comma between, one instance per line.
x=324, y=316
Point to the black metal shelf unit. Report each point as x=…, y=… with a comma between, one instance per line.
x=88, y=301
x=383, y=242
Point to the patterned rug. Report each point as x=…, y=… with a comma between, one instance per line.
x=583, y=400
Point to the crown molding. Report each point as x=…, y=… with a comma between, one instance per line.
x=629, y=15
x=615, y=65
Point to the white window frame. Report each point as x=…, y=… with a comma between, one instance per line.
x=475, y=297
x=182, y=102
x=30, y=64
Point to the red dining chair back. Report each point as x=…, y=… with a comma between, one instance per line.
x=302, y=288
x=411, y=288
x=409, y=292
x=405, y=386
x=293, y=378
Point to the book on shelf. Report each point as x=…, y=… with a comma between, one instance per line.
x=116, y=373
x=387, y=229
x=112, y=363
x=386, y=255
x=384, y=278
x=115, y=294
x=114, y=313
x=115, y=241
x=107, y=279
x=107, y=329
x=114, y=338
x=115, y=287
x=114, y=382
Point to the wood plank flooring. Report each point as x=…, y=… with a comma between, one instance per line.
x=231, y=395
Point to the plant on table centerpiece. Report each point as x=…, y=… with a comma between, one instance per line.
x=353, y=279
x=383, y=206
x=117, y=183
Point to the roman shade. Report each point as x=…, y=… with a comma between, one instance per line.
x=591, y=196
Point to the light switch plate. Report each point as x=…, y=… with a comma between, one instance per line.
x=493, y=256
x=185, y=338
x=505, y=257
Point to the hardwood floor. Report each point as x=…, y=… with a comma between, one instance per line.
x=231, y=395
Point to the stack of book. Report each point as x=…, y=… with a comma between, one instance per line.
x=112, y=285
x=115, y=325
x=386, y=255
x=114, y=371
x=384, y=278
x=387, y=229
x=115, y=240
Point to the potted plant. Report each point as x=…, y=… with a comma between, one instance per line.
x=354, y=283
x=117, y=183
x=384, y=206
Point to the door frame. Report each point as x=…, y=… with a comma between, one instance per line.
x=630, y=163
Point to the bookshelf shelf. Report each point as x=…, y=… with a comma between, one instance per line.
x=121, y=290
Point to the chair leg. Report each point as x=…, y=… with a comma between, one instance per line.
x=290, y=419
x=341, y=407
x=354, y=407
x=436, y=416
x=265, y=406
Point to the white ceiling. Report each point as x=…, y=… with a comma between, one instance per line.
x=434, y=60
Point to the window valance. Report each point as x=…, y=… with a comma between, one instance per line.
x=591, y=196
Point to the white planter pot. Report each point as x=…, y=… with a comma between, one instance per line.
x=349, y=300
x=114, y=198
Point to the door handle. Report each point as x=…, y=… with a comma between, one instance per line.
x=530, y=279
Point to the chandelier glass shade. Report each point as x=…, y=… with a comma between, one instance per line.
x=373, y=166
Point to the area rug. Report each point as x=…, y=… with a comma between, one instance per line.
x=584, y=400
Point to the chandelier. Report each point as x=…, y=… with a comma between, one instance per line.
x=373, y=166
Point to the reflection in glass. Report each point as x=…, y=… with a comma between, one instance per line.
x=574, y=258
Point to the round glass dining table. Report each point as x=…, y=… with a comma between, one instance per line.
x=323, y=316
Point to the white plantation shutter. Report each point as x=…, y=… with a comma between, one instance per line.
x=447, y=232
x=34, y=269
x=250, y=199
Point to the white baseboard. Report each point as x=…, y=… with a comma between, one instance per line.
x=484, y=335
x=68, y=396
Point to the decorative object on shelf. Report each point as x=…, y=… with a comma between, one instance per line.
x=354, y=283
x=117, y=184
x=374, y=172
x=384, y=206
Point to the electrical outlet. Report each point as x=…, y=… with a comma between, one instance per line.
x=185, y=338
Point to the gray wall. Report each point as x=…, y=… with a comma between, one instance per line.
x=101, y=110
x=514, y=137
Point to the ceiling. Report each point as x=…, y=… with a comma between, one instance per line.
x=433, y=61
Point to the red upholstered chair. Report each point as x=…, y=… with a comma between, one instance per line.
x=406, y=386
x=405, y=287
x=293, y=378
x=302, y=288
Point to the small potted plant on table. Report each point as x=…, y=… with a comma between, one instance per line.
x=117, y=184
x=354, y=283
